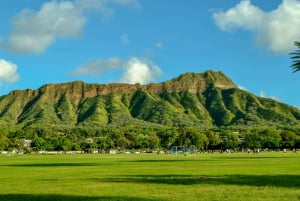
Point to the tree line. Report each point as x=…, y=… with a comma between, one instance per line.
x=147, y=138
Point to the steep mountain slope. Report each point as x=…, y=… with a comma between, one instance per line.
x=195, y=99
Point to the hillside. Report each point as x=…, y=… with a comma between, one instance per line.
x=193, y=99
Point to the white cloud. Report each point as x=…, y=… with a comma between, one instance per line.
x=277, y=29
x=275, y=98
x=140, y=71
x=134, y=70
x=264, y=95
x=8, y=71
x=98, y=67
x=33, y=31
x=124, y=39
x=242, y=88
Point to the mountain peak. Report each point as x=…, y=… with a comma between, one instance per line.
x=210, y=76
x=190, y=81
x=198, y=82
x=192, y=99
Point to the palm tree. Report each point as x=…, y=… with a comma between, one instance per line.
x=295, y=56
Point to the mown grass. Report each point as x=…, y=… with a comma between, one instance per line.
x=238, y=176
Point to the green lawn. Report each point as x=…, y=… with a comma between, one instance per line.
x=238, y=176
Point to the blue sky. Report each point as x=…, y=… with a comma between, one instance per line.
x=104, y=41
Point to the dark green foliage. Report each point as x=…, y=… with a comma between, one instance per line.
x=64, y=110
x=140, y=102
x=182, y=111
x=295, y=56
x=200, y=140
x=213, y=139
x=217, y=108
x=230, y=139
x=289, y=138
x=168, y=136
x=191, y=136
x=270, y=138
x=118, y=113
x=193, y=100
x=193, y=105
x=252, y=140
x=145, y=138
x=39, y=144
x=126, y=98
x=92, y=112
x=61, y=144
x=4, y=141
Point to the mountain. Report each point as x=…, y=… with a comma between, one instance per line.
x=192, y=99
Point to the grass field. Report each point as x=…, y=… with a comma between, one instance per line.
x=238, y=176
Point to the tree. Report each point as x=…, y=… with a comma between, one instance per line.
x=214, y=139
x=230, y=140
x=295, y=56
x=17, y=144
x=132, y=139
x=183, y=138
x=38, y=144
x=119, y=140
x=200, y=140
x=252, y=140
x=142, y=141
x=154, y=141
x=104, y=143
x=4, y=141
x=288, y=139
x=167, y=137
x=270, y=138
x=61, y=144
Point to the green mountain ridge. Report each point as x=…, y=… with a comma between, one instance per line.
x=192, y=99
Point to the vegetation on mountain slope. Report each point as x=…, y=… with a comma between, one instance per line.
x=207, y=99
x=196, y=108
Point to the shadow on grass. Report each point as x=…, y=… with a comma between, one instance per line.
x=288, y=181
x=51, y=165
x=25, y=197
x=158, y=161
x=249, y=157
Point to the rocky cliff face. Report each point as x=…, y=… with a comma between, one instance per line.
x=78, y=90
x=208, y=98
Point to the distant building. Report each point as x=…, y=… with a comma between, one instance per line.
x=27, y=143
